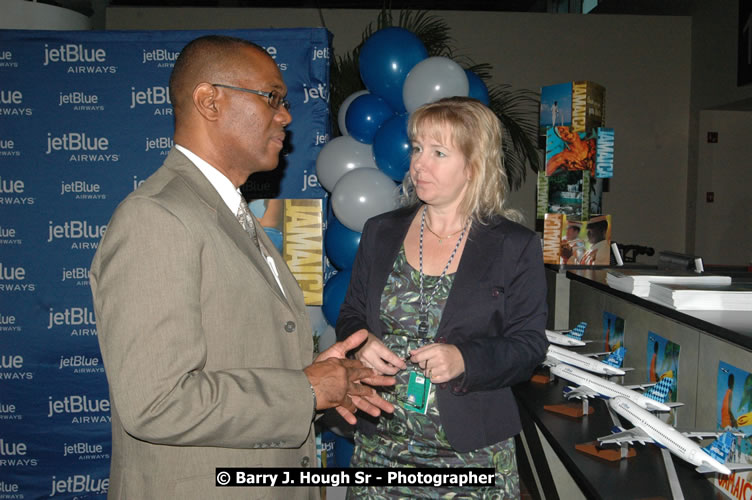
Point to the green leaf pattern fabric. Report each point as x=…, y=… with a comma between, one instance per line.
x=410, y=439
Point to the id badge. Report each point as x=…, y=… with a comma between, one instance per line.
x=418, y=388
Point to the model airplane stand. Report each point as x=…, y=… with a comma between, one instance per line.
x=573, y=410
x=609, y=454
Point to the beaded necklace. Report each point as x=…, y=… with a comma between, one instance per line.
x=423, y=324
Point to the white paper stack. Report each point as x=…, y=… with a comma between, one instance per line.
x=637, y=281
x=734, y=297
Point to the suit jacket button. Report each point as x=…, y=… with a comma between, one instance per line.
x=290, y=326
x=304, y=461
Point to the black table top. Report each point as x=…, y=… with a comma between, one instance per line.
x=642, y=476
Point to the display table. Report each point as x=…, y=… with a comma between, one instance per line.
x=642, y=476
x=705, y=338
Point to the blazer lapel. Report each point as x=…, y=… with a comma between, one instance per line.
x=183, y=167
x=481, y=248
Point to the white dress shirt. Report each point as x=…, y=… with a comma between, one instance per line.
x=231, y=196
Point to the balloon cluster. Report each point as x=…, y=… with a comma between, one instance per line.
x=361, y=168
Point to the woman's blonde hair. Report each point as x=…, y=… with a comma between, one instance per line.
x=476, y=132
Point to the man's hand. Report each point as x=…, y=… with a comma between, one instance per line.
x=339, y=382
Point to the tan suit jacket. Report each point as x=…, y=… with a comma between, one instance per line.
x=202, y=351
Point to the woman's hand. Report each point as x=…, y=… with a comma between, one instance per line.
x=374, y=354
x=439, y=362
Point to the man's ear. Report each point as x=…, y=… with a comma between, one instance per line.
x=205, y=96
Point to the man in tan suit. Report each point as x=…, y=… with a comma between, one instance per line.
x=204, y=334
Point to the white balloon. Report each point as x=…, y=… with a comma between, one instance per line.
x=432, y=79
x=340, y=156
x=343, y=110
x=362, y=194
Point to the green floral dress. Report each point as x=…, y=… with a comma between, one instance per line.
x=412, y=439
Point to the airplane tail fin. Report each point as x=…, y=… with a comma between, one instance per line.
x=616, y=358
x=578, y=331
x=721, y=447
x=659, y=391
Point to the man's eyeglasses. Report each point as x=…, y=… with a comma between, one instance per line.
x=273, y=97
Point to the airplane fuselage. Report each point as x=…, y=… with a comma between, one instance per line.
x=606, y=388
x=580, y=361
x=664, y=434
x=559, y=338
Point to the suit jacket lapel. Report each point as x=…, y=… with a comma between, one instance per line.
x=481, y=248
x=183, y=167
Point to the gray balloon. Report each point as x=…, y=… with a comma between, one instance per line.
x=362, y=194
x=340, y=156
x=343, y=109
x=432, y=79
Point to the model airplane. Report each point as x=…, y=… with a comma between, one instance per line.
x=650, y=429
x=590, y=386
x=571, y=337
x=611, y=366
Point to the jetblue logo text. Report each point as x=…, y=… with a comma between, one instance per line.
x=157, y=96
x=13, y=279
x=80, y=101
x=320, y=54
x=78, y=484
x=13, y=98
x=165, y=58
x=8, y=412
x=11, y=366
x=9, y=323
x=76, y=141
x=81, y=364
x=6, y=61
x=14, y=454
x=76, y=404
x=85, y=451
x=14, y=187
x=8, y=148
x=161, y=143
x=318, y=92
x=77, y=230
x=72, y=316
x=84, y=60
x=73, y=53
x=82, y=190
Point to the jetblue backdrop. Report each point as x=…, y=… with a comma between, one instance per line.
x=85, y=117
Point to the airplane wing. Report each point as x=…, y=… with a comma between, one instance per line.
x=630, y=436
x=639, y=386
x=699, y=435
x=579, y=392
x=651, y=407
x=595, y=354
x=549, y=361
x=704, y=469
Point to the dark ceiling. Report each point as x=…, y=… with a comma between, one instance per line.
x=638, y=7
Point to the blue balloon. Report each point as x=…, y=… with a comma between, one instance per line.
x=365, y=115
x=341, y=244
x=391, y=147
x=478, y=89
x=334, y=295
x=386, y=58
